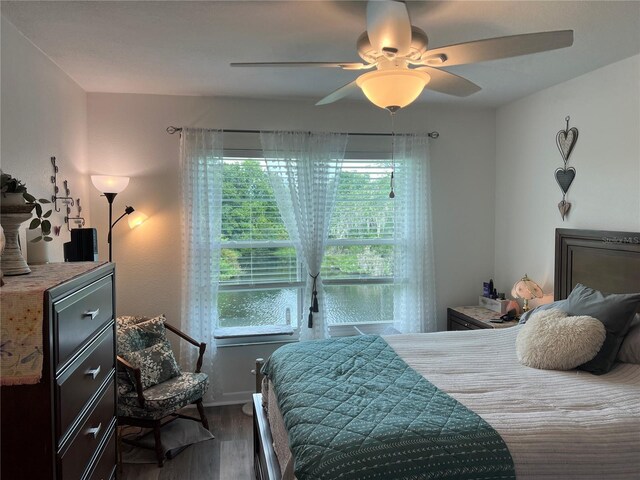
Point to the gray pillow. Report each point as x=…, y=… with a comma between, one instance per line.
x=630, y=348
x=541, y=308
x=615, y=311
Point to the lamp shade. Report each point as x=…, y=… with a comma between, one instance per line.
x=136, y=219
x=109, y=183
x=526, y=288
x=394, y=87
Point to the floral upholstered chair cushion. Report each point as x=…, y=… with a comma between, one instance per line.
x=156, y=363
x=125, y=320
x=165, y=398
x=136, y=333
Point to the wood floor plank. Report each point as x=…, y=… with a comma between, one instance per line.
x=235, y=460
x=180, y=465
x=229, y=456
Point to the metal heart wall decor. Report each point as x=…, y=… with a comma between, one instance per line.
x=564, y=208
x=564, y=177
x=565, y=140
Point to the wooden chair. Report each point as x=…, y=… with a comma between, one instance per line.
x=158, y=405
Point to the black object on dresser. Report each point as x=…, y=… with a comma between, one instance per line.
x=473, y=318
x=83, y=246
x=64, y=427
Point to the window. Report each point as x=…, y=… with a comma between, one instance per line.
x=261, y=280
x=260, y=277
x=259, y=289
x=357, y=269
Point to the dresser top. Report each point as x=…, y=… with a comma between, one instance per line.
x=484, y=315
x=46, y=276
x=22, y=316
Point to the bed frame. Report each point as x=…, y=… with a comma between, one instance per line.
x=605, y=260
x=265, y=461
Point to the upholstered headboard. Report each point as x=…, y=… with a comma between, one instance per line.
x=604, y=260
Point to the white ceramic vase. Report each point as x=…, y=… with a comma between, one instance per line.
x=11, y=200
x=13, y=213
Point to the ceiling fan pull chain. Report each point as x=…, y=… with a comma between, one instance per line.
x=393, y=148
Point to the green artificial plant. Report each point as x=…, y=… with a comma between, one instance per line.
x=8, y=184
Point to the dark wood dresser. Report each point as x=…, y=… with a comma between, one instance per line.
x=63, y=426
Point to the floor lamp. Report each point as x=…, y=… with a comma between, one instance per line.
x=111, y=186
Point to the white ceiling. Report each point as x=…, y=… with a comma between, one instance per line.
x=184, y=48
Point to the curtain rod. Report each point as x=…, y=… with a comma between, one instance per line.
x=171, y=130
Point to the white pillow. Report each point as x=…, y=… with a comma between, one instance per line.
x=550, y=340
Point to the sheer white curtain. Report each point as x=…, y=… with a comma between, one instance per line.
x=304, y=170
x=201, y=159
x=414, y=279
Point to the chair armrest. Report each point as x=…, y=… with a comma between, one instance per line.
x=201, y=346
x=136, y=375
x=181, y=334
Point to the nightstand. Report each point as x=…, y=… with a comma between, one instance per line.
x=473, y=318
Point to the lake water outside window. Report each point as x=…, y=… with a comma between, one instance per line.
x=261, y=280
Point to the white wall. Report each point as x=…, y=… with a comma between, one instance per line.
x=604, y=106
x=44, y=114
x=127, y=137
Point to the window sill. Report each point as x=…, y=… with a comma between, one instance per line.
x=351, y=329
x=269, y=334
x=237, y=336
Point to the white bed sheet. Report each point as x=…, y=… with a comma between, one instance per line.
x=557, y=425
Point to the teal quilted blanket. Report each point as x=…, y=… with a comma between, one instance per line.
x=354, y=410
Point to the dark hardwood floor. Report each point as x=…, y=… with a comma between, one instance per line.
x=229, y=456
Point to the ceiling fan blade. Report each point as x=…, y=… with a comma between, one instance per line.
x=445, y=82
x=343, y=65
x=388, y=26
x=339, y=93
x=496, y=48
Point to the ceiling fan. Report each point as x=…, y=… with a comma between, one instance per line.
x=404, y=66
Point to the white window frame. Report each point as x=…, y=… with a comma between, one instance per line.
x=253, y=334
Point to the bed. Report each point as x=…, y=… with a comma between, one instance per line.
x=555, y=424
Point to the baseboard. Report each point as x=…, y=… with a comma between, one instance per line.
x=235, y=398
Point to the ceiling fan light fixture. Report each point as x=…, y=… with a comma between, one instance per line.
x=393, y=88
x=435, y=60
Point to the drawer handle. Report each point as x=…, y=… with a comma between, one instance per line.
x=93, y=372
x=94, y=430
x=91, y=313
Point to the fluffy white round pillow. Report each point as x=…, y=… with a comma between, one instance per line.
x=551, y=340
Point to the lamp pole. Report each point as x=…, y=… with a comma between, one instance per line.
x=110, y=186
x=127, y=211
x=110, y=197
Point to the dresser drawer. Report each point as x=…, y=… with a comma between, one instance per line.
x=75, y=459
x=106, y=464
x=79, y=383
x=79, y=315
x=457, y=324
